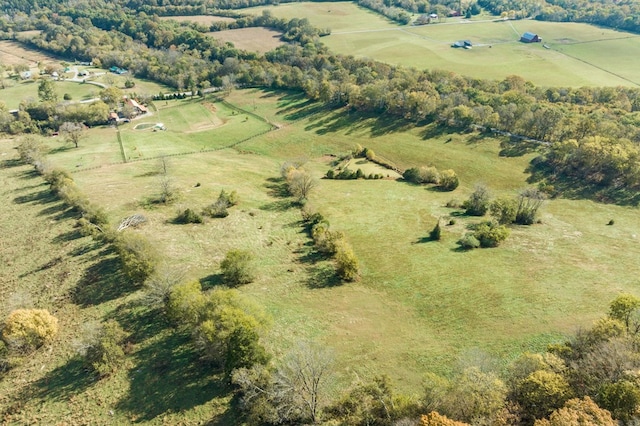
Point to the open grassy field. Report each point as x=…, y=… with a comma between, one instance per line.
x=199, y=19
x=579, y=54
x=14, y=53
x=17, y=91
x=420, y=305
x=253, y=39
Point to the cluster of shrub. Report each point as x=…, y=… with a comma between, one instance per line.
x=332, y=243
x=446, y=180
x=168, y=96
x=358, y=152
x=522, y=210
x=219, y=209
x=590, y=379
x=299, y=181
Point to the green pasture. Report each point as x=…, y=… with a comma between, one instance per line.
x=15, y=92
x=421, y=302
x=420, y=306
x=190, y=127
x=578, y=54
x=142, y=86
x=338, y=16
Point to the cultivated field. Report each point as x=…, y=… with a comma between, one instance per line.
x=13, y=54
x=252, y=39
x=578, y=54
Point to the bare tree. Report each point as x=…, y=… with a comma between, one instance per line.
x=301, y=183
x=167, y=190
x=72, y=132
x=301, y=379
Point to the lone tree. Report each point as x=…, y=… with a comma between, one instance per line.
x=46, y=91
x=301, y=183
x=72, y=132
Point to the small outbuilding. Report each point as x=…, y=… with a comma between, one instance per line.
x=530, y=38
x=466, y=44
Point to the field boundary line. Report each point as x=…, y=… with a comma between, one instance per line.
x=124, y=156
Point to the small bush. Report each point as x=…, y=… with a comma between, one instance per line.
x=452, y=222
x=28, y=329
x=31, y=150
x=611, y=222
x=237, y=268
x=185, y=303
x=371, y=156
x=490, y=234
x=453, y=204
x=330, y=174
x=138, y=256
x=504, y=210
x=436, y=233
x=478, y=202
x=448, y=180
x=105, y=354
x=188, y=216
x=469, y=242
x=347, y=264
x=66, y=97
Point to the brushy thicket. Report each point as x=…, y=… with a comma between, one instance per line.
x=332, y=243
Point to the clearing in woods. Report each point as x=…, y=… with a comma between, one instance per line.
x=252, y=39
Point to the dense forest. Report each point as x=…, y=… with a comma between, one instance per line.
x=589, y=135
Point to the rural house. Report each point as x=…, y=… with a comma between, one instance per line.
x=137, y=108
x=530, y=38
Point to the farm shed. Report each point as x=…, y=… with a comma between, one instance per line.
x=463, y=43
x=530, y=38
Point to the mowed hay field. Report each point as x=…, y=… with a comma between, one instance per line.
x=253, y=39
x=420, y=305
x=13, y=54
x=578, y=54
x=18, y=91
x=199, y=19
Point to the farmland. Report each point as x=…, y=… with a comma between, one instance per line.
x=408, y=304
x=253, y=39
x=419, y=305
x=574, y=58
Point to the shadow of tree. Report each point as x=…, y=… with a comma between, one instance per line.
x=517, y=148
x=323, y=275
x=211, y=281
x=278, y=206
x=169, y=376
x=60, y=384
x=277, y=187
x=102, y=282
x=43, y=196
x=13, y=162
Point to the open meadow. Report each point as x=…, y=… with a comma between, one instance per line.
x=252, y=39
x=420, y=305
x=576, y=54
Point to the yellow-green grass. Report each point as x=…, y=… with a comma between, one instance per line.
x=28, y=90
x=47, y=264
x=191, y=126
x=257, y=39
x=369, y=167
x=141, y=86
x=338, y=16
x=419, y=304
x=199, y=19
x=610, y=58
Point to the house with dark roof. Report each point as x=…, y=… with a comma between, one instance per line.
x=530, y=38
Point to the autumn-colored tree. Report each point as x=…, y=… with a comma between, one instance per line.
x=435, y=419
x=541, y=392
x=579, y=412
x=28, y=329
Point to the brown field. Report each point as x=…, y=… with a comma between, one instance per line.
x=13, y=53
x=253, y=39
x=200, y=19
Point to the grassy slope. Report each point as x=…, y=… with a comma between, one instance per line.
x=419, y=307
x=606, y=57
